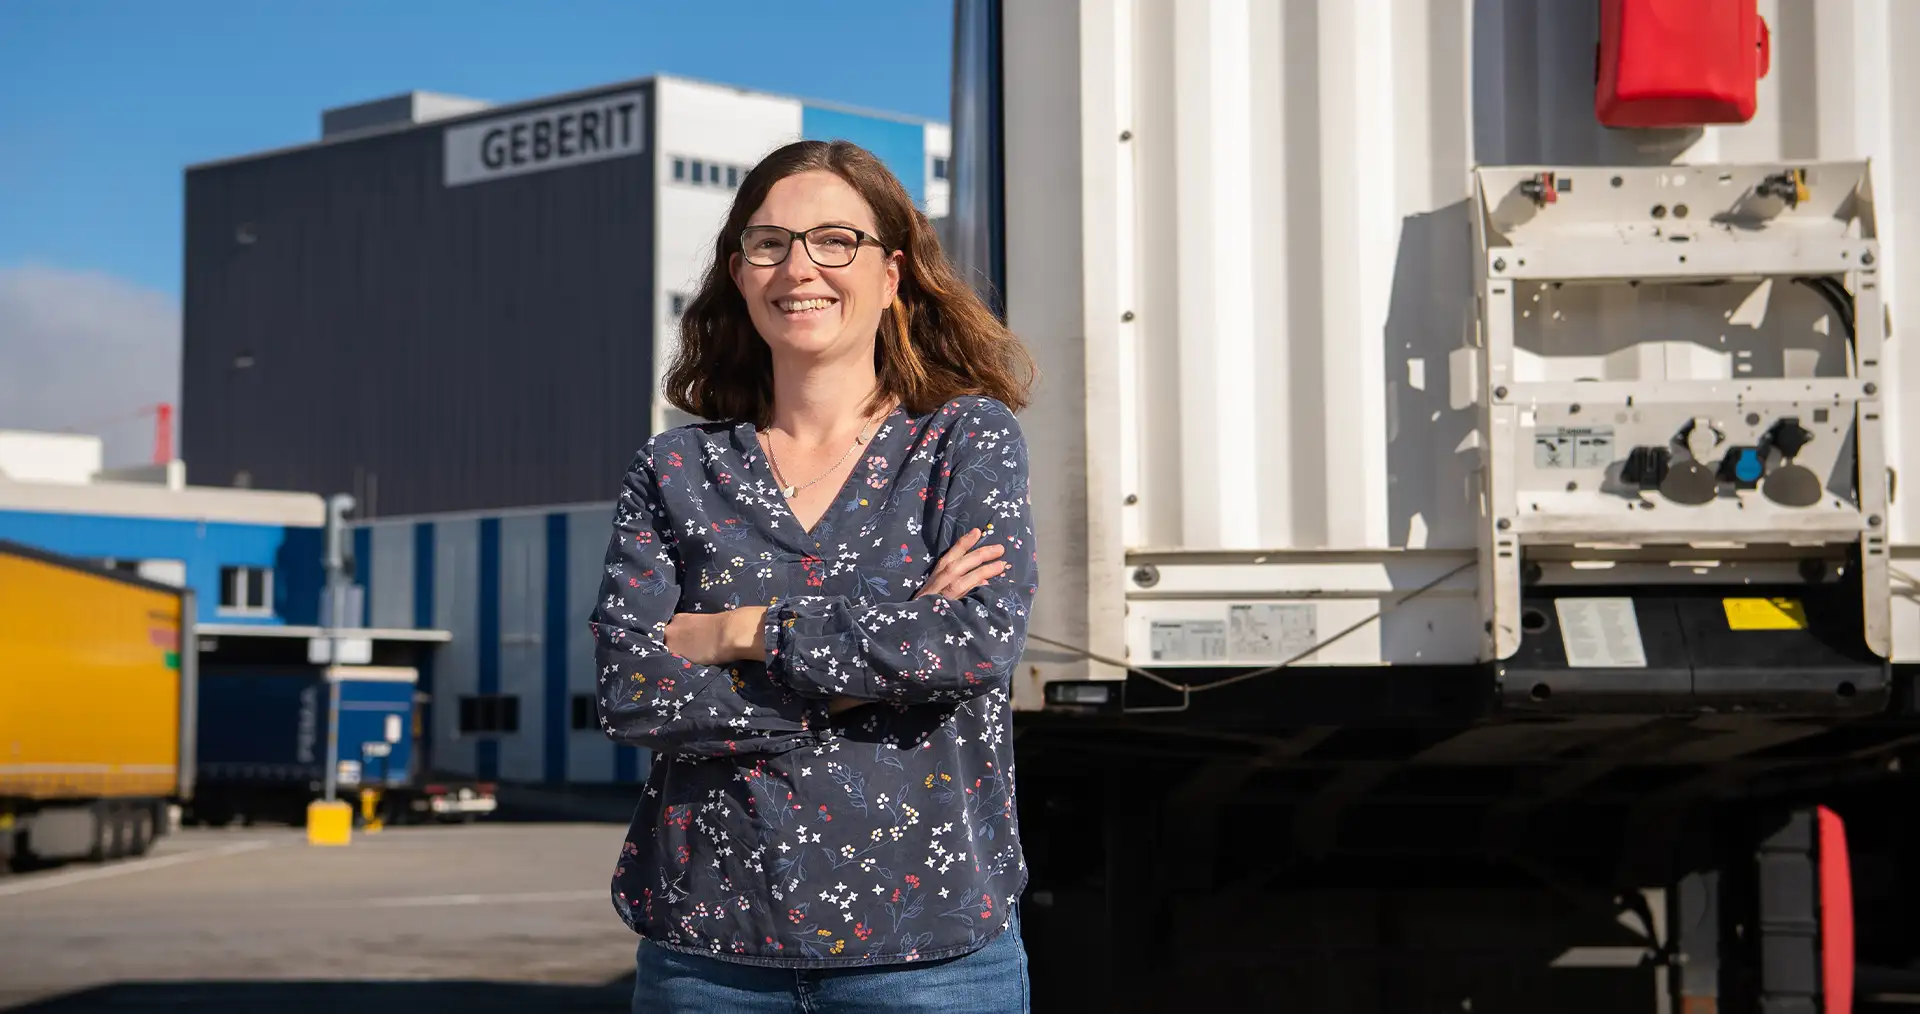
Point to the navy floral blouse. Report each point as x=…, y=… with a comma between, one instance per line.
x=769, y=832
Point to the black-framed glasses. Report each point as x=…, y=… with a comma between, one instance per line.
x=830, y=246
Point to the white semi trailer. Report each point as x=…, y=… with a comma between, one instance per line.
x=1433, y=474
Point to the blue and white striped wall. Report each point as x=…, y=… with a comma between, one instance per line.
x=514, y=588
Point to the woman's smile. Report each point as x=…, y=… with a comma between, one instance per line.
x=797, y=308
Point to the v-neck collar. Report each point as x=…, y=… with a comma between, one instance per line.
x=747, y=439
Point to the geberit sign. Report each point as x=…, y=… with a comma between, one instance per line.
x=592, y=130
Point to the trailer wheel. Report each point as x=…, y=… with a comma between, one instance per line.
x=140, y=831
x=102, y=849
x=113, y=831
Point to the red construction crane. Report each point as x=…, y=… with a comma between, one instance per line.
x=162, y=413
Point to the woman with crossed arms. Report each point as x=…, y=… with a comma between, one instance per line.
x=811, y=612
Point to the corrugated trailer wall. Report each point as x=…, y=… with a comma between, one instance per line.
x=512, y=692
x=354, y=323
x=1259, y=238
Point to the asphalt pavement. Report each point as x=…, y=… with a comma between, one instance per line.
x=476, y=918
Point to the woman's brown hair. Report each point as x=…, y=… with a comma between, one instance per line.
x=938, y=341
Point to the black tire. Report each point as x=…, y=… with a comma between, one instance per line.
x=102, y=834
x=118, y=827
x=142, y=830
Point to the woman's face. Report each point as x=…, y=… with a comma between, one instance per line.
x=799, y=307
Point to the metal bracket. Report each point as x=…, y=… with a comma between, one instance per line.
x=1641, y=301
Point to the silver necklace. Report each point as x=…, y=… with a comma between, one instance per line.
x=788, y=490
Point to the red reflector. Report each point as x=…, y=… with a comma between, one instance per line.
x=1836, y=916
x=1679, y=63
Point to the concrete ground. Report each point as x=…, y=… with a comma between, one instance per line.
x=484, y=917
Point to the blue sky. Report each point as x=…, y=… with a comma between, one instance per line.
x=104, y=102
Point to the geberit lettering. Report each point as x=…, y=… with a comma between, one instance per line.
x=591, y=130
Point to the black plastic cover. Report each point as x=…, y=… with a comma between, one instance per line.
x=1696, y=657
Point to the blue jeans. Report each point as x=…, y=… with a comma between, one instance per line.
x=991, y=980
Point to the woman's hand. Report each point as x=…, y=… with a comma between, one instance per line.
x=964, y=568
x=717, y=638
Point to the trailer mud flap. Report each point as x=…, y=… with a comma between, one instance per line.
x=1783, y=649
x=1804, y=958
x=1836, y=915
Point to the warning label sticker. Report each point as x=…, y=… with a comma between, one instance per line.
x=1601, y=633
x=1573, y=447
x=1765, y=614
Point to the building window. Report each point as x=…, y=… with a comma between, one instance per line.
x=939, y=167
x=246, y=591
x=485, y=714
x=700, y=172
x=585, y=715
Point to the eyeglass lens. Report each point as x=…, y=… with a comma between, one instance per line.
x=830, y=246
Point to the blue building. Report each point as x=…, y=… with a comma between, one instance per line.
x=516, y=682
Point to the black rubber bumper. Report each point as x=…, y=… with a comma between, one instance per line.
x=1794, y=648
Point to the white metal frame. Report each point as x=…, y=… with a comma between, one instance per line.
x=234, y=583
x=1628, y=225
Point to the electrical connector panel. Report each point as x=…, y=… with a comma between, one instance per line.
x=1679, y=362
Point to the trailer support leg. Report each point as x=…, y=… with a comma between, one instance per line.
x=1695, y=925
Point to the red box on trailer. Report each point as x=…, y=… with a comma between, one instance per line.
x=1679, y=63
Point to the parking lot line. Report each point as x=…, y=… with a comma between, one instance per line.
x=50, y=881
x=433, y=900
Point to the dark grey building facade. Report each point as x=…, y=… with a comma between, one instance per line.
x=439, y=307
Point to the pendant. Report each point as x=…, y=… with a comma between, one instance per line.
x=788, y=491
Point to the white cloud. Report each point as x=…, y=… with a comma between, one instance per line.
x=87, y=350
